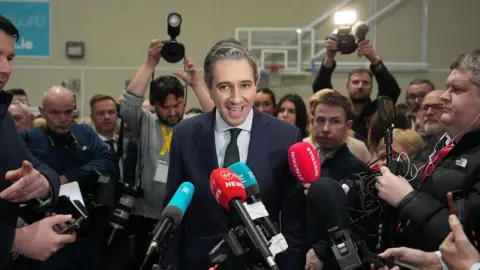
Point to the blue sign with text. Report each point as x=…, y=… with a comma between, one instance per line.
x=32, y=18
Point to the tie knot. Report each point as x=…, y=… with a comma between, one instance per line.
x=110, y=142
x=234, y=132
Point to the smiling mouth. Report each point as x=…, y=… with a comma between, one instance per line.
x=235, y=109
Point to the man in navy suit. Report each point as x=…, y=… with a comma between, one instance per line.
x=206, y=142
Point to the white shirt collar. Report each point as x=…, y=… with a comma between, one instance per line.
x=115, y=138
x=222, y=126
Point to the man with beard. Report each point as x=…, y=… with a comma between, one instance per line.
x=359, y=84
x=431, y=110
x=153, y=132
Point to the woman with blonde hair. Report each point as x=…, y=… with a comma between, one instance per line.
x=405, y=143
x=357, y=147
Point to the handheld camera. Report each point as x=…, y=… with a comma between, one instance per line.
x=349, y=32
x=173, y=51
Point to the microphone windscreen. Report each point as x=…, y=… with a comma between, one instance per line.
x=179, y=203
x=225, y=186
x=246, y=175
x=304, y=162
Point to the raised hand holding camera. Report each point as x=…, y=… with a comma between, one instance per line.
x=154, y=55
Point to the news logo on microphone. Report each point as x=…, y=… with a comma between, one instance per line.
x=304, y=162
x=226, y=185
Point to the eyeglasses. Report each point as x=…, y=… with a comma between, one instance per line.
x=435, y=107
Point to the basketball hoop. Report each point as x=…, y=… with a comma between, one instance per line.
x=274, y=69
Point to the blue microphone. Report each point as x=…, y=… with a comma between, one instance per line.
x=172, y=215
x=258, y=212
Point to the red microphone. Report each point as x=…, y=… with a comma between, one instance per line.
x=226, y=186
x=304, y=162
x=228, y=190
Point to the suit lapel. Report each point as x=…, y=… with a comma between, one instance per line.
x=204, y=138
x=258, y=142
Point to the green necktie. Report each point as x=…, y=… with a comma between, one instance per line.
x=232, y=154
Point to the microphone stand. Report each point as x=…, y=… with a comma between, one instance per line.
x=233, y=243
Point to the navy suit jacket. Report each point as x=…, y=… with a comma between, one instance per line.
x=193, y=157
x=13, y=152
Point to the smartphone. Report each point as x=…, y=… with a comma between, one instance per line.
x=386, y=110
x=455, y=203
x=72, y=226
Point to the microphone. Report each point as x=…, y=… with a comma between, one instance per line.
x=304, y=162
x=330, y=222
x=227, y=188
x=257, y=210
x=172, y=215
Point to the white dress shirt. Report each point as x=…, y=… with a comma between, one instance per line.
x=222, y=137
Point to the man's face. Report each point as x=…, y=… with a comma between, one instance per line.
x=233, y=90
x=263, y=103
x=171, y=112
x=7, y=52
x=432, y=110
x=415, y=95
x=59, y=114
x=23, y=120
x=461, y=102
x=359, y=87
x=104, y=116
x=22, y=98
x=330, y=126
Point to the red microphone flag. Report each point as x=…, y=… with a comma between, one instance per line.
x=225, y=186
x=304, y=162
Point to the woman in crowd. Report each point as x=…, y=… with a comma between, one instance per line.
x=406, y=142
x=292, y=109
x=265, y=101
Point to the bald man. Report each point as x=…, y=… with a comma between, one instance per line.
x=21, y=115
x=77, y=154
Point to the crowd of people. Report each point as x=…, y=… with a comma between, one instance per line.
x=146, y=147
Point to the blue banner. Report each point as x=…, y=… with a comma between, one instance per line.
x=32, y=18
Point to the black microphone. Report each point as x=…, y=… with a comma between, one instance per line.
x=329, y=221
x=172, y=215
x=256, y=209
x=228, y=190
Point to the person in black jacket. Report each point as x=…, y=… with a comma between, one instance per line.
x=23, y=179
x=359, y=84
x=453, y=165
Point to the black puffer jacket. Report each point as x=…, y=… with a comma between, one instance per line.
x=424, y=214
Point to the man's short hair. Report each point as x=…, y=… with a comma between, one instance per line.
x=229, y=49
x=331, y=98
x=97, y=98
x=7, y=26
x=360, y=71
x=17, y=92
x=163, y=86
x=423, y=81
x=471, y=62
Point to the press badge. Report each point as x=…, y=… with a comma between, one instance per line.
x=162, y=172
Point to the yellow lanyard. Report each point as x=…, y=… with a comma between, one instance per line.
x=168, y=139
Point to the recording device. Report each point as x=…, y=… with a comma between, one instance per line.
x=386, y=114
x=66, y=206
x=257, y=211
x=173, y=51
x=228, y=190
x=124, y=208
x=304, y=162
x=348, y=37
